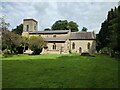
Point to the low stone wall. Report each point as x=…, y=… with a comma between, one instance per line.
x=52, y=52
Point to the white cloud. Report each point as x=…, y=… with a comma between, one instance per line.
x=88, y=14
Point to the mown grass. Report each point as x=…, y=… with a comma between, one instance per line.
x=59, y=71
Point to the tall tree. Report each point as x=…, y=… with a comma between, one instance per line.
x=103, y=36
x=109, y=34
x=3, y=24
x=65, y=25
x=18, y=29
x=118, y=39
x=10, y=40
x=84, y=29
x=73, y=26
x=60, y=25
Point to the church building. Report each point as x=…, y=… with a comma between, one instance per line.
x=61, y=41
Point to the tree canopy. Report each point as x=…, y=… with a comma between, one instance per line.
x=10, y=40
x=65, y=25
x=109, y=34
x=84, y=29
x=47, y=29
x=18, y=29
x=36, y=44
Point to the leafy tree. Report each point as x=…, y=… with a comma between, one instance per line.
x=47, y=29
x=60, y=25
x=84, y=29
x=36, y=44
x=103, y=36
x=65, y=25
x=109, y=34
x=118, y=31
x=73, y=26
x=10, y=40
x=18, y=29
x=4, y=25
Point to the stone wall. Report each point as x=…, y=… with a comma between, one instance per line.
x=84, y=46
x=32, y=25
x=60, y=48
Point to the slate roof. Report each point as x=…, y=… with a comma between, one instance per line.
x=50, y=32
x=82, y=36
x=73, y=35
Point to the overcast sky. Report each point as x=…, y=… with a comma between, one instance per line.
x=85, y=14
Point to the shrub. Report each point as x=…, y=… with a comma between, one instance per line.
x=19, y=50
x=6, y=52
x=36, y=44
x=37, y=51
x=117, y=54
x=85, y=54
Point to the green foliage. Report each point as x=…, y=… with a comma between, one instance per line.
x=84, y=29
x=10, y=40
x=18, y=29
x=47, y=29
x=73, y=26
x=36, y=44
x=3, y=24
x=74, y=71
x=109, y=35
x=37, y=51
x=65, y=25
x=105, y=50
x=19, y=49
x=6, y=52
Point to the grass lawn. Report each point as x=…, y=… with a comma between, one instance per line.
x=59, y=71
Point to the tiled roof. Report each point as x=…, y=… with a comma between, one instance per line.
x=50, y=32
x=82, y=36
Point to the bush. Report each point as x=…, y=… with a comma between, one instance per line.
x=19, y=50
x=36, y=44
x=117, y=54
x=85, y=54
x=37, y=51
x=6, y=52
x=105, y=50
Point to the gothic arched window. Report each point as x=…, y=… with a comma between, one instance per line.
x=27, y=28
x=73, y=45
x=54, y=46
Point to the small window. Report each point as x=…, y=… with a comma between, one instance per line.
x=27, y=28
x=73, y=45
x=54, y=35
x=54, y=46
x=34, y=27
x=88, y=46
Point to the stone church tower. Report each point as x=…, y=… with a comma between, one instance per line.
x=29, y=25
